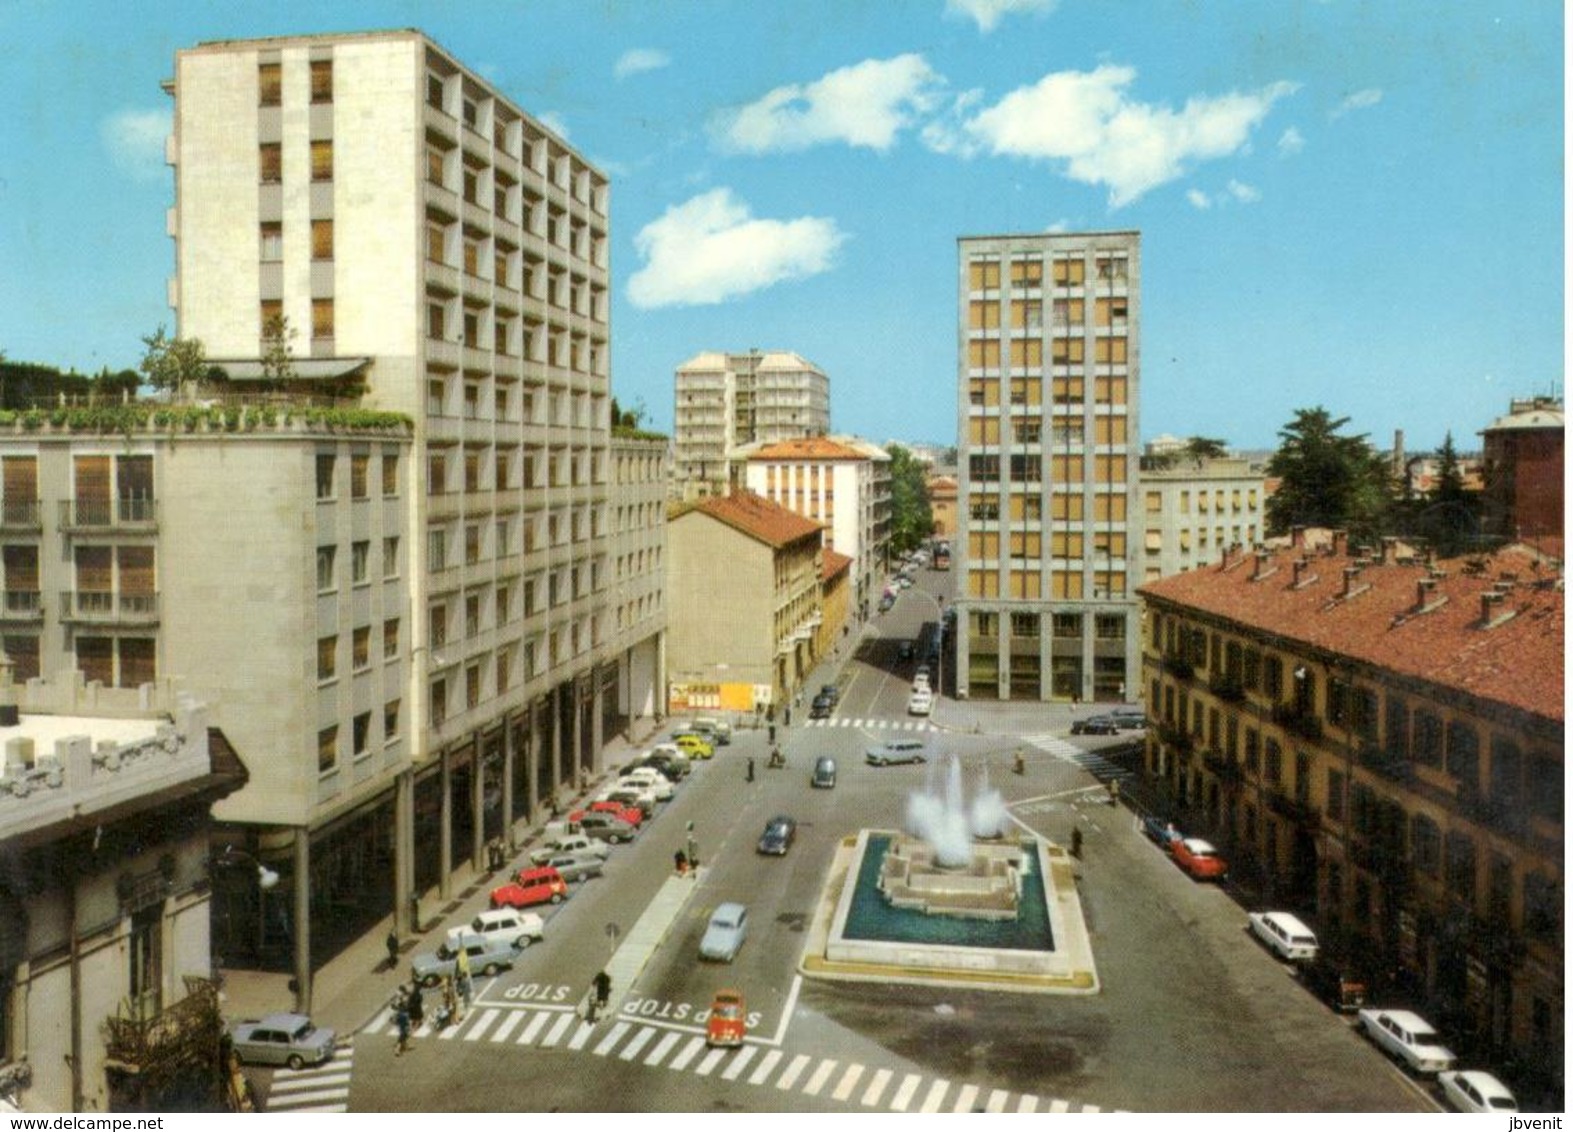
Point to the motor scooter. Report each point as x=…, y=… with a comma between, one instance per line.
x=777, y=759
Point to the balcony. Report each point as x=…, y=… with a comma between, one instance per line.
x=108, y=607
x=1225, y=769
x=1299, y=812
x=1179, y=667
x=1394, y=768
x=23, y=605
x=20, y=515
x=124, y=514
x=1227, y=688
x=1175, y=738
x=1301, y=722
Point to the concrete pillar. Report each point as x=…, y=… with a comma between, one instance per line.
x=509, y=752
x=477, y=805
x=661, y=701
x=302, y=925
x=963, y=665
x=403, y=850
x=445, y=828
x=535, y=751
x=576, y=697
x=597, y=718
x=556, y=725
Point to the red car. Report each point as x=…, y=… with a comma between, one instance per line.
x=633, y=815
x=531, y=886
x=728, y=1020
x=1199, y=858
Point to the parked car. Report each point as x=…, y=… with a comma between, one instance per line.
x=1199, y=858
x=824, y=774
x=718, y=731
x=673, y=764
x=821, y=708
x=1160, y=830
x=921, y=702
x=907, y=652
x=728, y=1019
x=540, y=885
x=920, y=681
x=1129, y=718
x=569, y=843
x=694, y=745
x=650, y=779
x=1285, y=935
x=502, y=926
x=831, y=691
x=896, y=751
x=487, y=957
x=606, y=827
x=1095, y=725
x=630, y=796
x=1471, y=1090
x=780, y=831
x=576, y=867
x=1409, y=1038
x=887, y=602
x=633, y=815
x=1334, y=983
x=281, y=1039
x=725, y=933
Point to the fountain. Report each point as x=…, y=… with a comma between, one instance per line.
x=952, y=900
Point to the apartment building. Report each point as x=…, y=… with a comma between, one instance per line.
x=1524, y=484
x=371, y=205
x=840, y=482
x=1194, y=510
x=1048, y=538
x=744, y=580
x=725, y=401
x=1377, y=742
x=943, y=491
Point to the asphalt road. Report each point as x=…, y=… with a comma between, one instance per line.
x=1192, y=1016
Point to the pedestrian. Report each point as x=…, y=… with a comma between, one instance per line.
x=750, y=768
x=603, y=990
x=772, y=734
x=393, y=950
x=680, y=862
x=788, y=714
x=450, y=1004
x=417, y=1007
x=401, y=1019
x=462, y=978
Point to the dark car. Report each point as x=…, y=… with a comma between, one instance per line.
x=886, y=602
x=778, y=836
x=821, y=708
x=830, y=691
x=1335, y=984
x=1129, y=718
x=824, y=773
x=1095, y=725
x=675, y=770
x=907, y=652
x=1160, y=830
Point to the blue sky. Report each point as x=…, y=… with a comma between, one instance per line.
x=1357, y=205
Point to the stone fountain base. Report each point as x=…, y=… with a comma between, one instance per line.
x=987, y=887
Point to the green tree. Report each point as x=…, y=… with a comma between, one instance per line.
x=1206, y=448
x=1326, y=479
x=278, y=352
x=173, y=363
x=911, y=521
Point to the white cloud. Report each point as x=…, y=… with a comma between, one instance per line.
x=135, y=141
x=1058, y=226
x=639, y=59
x=709, y=249
x=865, y=104
x=553, y=121
x=1198, y=198
x=1245, y=194
x=1359, y=100
x=1234, y=192
x=1088, y=120
x=987, y=13
x=1290, y=142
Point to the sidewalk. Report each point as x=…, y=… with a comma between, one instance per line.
x=351, y=988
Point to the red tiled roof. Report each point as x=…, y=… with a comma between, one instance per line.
x=834, y=564
x=759, y=518
x=808, y=448
x=1517, y=660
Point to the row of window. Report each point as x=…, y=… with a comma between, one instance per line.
x=270, y=161
x=329, y=742
x=561, y=468
x=1107, y=389
x=115, y=662
x=1026, y=270
x=271, y=240
x=1221, y=500
x=1064, y=506
x=1065, y=585
x=1065, y=469
x=448, y=319
x=1027, y=314
x=511, y=401
x=1066, y=626
x=985, y=545
x=270, y=83
x=483, y=186
x=272, y=324
x=328, y=485
x=328, y=649
x=985, y=353
x=1065, y=430
x=360, y=563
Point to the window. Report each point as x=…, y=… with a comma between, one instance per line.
x=325, y=469
x=360, y=465
x=322, y=80
x=146, y=951
x=438, y=627
x=984, y=275
x=390, y=473
x=439, y=702
x=322, y=239
x=327, y=657
x=322, y=160
x=362, y=733
x=390, y=556
x=1460, y=877
x=322, y=318
x=270, y=84
x=390, y=638
x=360, y=648
x=436, y=548
x=272, y=241
x=327, y=749
x=472, y=615
x=472, y=685
x=1275, y=761
x=270, y=159
x=325, y=576
x=360, y=555
x=1109, y=627
x=1425, y=841
x=390, y=721
x=1024, y=625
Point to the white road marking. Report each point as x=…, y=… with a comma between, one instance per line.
x=793, y=1071
x=787, y=1009
x=762, y=1071
x=821, y=1075
x=1029, y=1103
x=306, y=1098
x=848, y=1081
x=710, y=1061
x=909, y=1085
x=876, y=1087
x=735, y=1068
x=1058, y=1106
x=683, y=1058
x=640, y=1040
x=512, y=1019
x=613, y=1036
x=309, y=1082
x=663, y=1047
x=965, y=1099
x=559, y=1027
x=996, y=1101
x=482, y=1024
x=936, y=1094
x=534, y=1028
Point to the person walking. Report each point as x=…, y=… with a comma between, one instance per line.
x=750, y=768
x=401, y=1019
x=462, y=978
x=393, y=950
x=417, y=1007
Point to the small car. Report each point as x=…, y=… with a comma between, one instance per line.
x=1161, y=831
x=1129, y=718
x=921, y=702
x=920, y=681
x=650, y=779
x=780, y=831
x=1095, y=725
x=578, y=866
x=1409, y=1038
x=630, y=796
x=895, y=751
x=830, y=692
x=569, y=843
x=1284, y=935
x=821, y=708
x=1471, y=1090
x=674, y=767
x=486, y=957
x=502, y=926
x=717, y=731
x=728, y=1019
x=694, y=745
x=281, y=1039
x=824, y=773
x=1199, y=859
x=1334, y=984
x=724, y=935
x=907, y=652
x=540, y=885
x=606, y=827
x=886, y=603
x=633, y=815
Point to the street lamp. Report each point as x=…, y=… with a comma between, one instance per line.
x=267, y=879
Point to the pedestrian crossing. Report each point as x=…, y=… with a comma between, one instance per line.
x=1091, y=761
x=321, y=1088
x=875, y=724
x=847, y=1083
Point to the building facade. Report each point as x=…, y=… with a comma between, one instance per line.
x=725, y=401
x=369, y=203
x=1048, y=537
x=943, y=490
x=1193, y=510
x=842, y=483
x=744, y=579
x=1524, y=489
x=1380, y=745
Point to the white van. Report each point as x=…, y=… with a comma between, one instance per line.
x=719, y=730
x=507, y=926
x=1285, y=935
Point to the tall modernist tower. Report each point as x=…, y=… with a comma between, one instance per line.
x=1049, y=374
x=725, y=401
x=424, y=237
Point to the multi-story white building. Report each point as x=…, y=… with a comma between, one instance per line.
x=841, y=482
x=1048, y=542
x=418, y=235
x=1193, y=510
x=725, y=401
